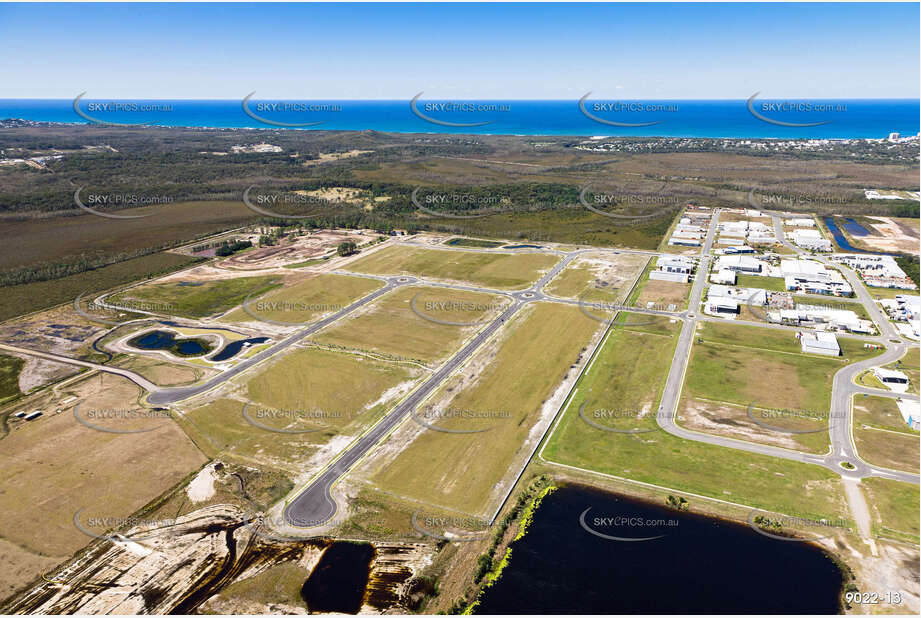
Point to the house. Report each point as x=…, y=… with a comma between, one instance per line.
x=895, y=380
x=820, y=343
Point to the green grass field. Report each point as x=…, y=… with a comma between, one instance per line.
x=773, y=284
x=462, y=471
x=10, y=366
x=895, y=505
x=778, y=340
x=199, y=300
x=306, y=300
x=881, y=435
x=492, y=270
x=307, y=389
x=391, y=327
x=661, y=459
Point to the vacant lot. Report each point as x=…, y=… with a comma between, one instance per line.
x=598, y=276
x=493, y=270
x=329, y=397
x=196, y=299
x=732, y=420
x=773, y=284
x=506, y=390
x=163, y=373
x=392, y=327
x=882, y=437
x=754, y=337
x=306, y=299
x=894, y=506
x=55, y=466
x=663, y=294
x=654, y=456
x=10, y=366
x=719, y=372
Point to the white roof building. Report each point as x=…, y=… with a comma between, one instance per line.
x=820, y=343
x=896, y=381
x=911, y=412
x=739, y=263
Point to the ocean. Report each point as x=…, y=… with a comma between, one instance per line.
x=755, y=119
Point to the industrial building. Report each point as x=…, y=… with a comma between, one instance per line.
x=895, y=380
x=811, y=240
x=820, y=343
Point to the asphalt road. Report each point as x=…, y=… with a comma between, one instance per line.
x=315, y=505
x=162, y=396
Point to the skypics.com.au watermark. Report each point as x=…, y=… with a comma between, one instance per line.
x=295, y=421
x=652, y=110
x=767, y=418
x=92, y=309
x=772, y=526
x=600, y=418
x=92, y=202
x=772, y=112
x=263, y=202
x=100, y=527
x=449, y=527
x=112, y=420
x=447, y=204
x=456, y=108
x=296, y=309
x=428, y=309
x=626, y=528
x=100, y=112
x=429, y=416
x=303, y=111
x=650, y=206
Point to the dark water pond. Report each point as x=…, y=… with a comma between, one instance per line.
x=232, y=349
x=522, y=247
x=691, y=564
x=853, y=228
x=166, y=340
x=337, y=583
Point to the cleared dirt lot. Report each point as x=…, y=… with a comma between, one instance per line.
x=55, y=466
x=602, y=275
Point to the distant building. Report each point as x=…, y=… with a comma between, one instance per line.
x=33, y=415
x=911, y=412
x=739, y=263
x=895, y=380
x=811, y=240
x=820, y=343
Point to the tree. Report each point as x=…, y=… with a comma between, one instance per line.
x=346, y=248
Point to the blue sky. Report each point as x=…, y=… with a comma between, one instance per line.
x=498, y=51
